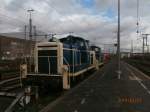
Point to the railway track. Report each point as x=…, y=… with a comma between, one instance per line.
x=10, y=82
x=10, y=91
x=144, y=66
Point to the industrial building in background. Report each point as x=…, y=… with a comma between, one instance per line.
x=12, y=48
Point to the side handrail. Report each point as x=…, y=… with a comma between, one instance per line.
x=49, y=64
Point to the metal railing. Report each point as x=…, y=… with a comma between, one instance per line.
x=49, y=63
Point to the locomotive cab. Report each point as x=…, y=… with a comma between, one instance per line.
x=49, y=58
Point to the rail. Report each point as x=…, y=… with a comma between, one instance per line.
x=9, y=109
x=11, y=79
x=9, y=75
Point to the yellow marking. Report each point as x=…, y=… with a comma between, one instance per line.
x=130, y=100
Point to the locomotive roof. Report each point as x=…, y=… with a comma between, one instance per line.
x=94, y=46
x=73, y=38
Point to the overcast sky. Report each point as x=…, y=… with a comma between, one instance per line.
x=95, y=20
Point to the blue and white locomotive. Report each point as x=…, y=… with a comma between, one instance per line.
x=63, y=59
